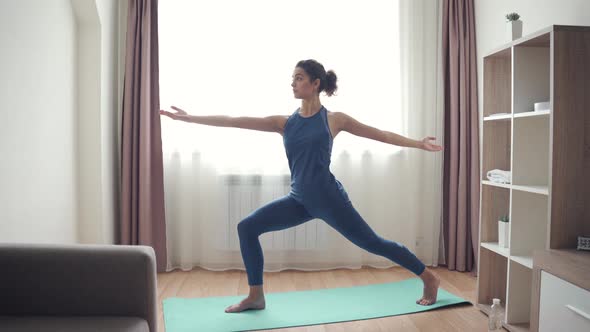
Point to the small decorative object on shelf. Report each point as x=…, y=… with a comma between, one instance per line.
x=514, y=26
x=543, y=106
x=503, y=232
x=512, y=17
x=583, y=243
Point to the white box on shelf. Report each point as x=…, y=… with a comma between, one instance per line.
x=544, y=106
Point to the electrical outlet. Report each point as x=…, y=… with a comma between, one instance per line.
x=583, y=243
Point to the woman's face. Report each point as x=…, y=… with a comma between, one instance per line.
x=302, y=87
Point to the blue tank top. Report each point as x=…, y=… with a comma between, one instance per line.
x=308, y=144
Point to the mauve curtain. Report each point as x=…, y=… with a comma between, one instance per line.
x=142, y=185
x=461, y=151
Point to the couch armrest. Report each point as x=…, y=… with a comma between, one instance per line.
x=88, y=280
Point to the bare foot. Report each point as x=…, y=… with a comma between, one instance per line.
x=431, y=283
x=247, y=304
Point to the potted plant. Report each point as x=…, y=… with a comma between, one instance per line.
x=514, y=26
x=503, y=232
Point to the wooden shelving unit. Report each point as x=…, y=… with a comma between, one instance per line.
x=547, y=153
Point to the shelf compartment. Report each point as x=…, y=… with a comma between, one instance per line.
x=531, y=77
x=497, y=84
x=496, y=146
x=491, y=278
x=518, y=305
x=495, y=203
x=530, y=164
x=528, y=224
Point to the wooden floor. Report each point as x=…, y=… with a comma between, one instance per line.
x=204, y=283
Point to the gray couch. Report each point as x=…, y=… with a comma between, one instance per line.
x=81, y=288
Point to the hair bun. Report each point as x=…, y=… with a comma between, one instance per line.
x=316, y=70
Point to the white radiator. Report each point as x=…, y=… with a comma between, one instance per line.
x=246, y=193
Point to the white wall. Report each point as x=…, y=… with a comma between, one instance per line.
x=59, y=92
x=38, y=175
x=535, y=15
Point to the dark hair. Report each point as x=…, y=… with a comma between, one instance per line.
x=315, y=70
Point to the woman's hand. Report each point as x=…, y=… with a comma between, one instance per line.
x=180, y=114
x=426, y=145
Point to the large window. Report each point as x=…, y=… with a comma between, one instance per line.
x=235, y=57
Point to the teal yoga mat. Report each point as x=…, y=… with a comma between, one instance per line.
x=287, y=309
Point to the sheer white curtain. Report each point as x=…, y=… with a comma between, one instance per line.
x=236, y=58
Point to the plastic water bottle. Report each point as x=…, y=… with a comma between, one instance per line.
x=495, y=318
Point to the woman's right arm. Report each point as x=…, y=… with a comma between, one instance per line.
x=274, y=123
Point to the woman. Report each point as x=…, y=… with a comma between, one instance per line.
x=308, y=134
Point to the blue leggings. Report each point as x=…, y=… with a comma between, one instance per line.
x=286, y=212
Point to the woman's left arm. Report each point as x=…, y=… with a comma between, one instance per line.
x=349, y=124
